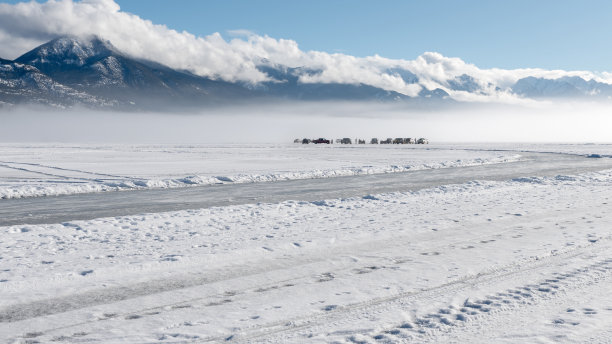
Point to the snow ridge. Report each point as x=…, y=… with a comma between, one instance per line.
x=100, y=185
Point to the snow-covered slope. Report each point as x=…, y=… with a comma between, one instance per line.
x=571, y=87
x=25, y=84
x=93, y=65
x=97, y=70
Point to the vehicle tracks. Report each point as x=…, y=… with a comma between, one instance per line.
x=452, y=315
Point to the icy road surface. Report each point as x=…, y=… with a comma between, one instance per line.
x=93, y=205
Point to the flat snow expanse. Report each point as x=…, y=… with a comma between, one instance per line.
x=521, y=261
x=44, y=169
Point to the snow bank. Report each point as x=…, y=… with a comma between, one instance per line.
x=54, y=169
x=31, y=188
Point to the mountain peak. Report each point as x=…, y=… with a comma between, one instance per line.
x=69, y=50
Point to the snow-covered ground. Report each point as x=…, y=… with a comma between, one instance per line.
x=57, y=169
x=527, y=260
x=585, y=149
x=44, y=169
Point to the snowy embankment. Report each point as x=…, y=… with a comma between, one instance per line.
x=49, y=170
x=525, y=260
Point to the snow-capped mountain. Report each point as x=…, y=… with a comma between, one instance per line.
x=25, y=84
x=95, y=70
x=94, y=66
x=562, y=87
x=286, y=84
x=91, y=72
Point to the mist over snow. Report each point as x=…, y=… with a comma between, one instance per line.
x=564, y=122
x=23, y=26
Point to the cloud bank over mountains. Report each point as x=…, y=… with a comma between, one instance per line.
x=24, y=26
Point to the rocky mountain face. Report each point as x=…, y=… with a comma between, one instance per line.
x=25, y=84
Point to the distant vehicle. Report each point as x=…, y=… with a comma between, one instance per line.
x=346, y=141
x=422, y=141
x=374, y=141
x=297, y=141
x=361, y=142
x=388, y=141
x=321, y=140
x=305, y=141
x=398, y=141
x=408, y=140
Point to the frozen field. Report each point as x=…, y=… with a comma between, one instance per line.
x=523, y=260
x=38, y=170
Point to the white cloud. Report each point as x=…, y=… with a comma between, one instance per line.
x=26, y=25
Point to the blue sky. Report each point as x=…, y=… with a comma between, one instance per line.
x=569, y=35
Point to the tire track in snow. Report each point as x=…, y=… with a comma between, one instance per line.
x=445, y=319
x=34, y=309
x=37, y=172
x=10, y=165
x=289, y=330
x=301, y=323
x=63, y=169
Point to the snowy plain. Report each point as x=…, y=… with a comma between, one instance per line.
x=514, y=261
x=47, y=169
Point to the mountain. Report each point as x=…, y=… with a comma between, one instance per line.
x=92, y=72
x=567, y=87
x=74, y=71
x=97, y=67
x=286, y=85
x=464, y=82
x=25, y=84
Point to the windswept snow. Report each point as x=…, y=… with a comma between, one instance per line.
x=48, y=169
x=512, y=261
x=602, y=150
x=429, y=266
x=43, y=170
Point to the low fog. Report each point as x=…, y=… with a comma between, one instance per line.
x=542, y=122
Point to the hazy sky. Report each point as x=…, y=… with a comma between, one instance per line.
x=560, y=34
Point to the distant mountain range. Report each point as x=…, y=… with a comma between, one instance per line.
x=69, y=71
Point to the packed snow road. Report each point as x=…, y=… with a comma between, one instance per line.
x=56, y=209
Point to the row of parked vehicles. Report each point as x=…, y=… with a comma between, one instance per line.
x=373, y=141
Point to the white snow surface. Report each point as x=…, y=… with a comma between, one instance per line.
x=260, y=264
x=518, y=261
x=49, y=169
x=527, y=260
